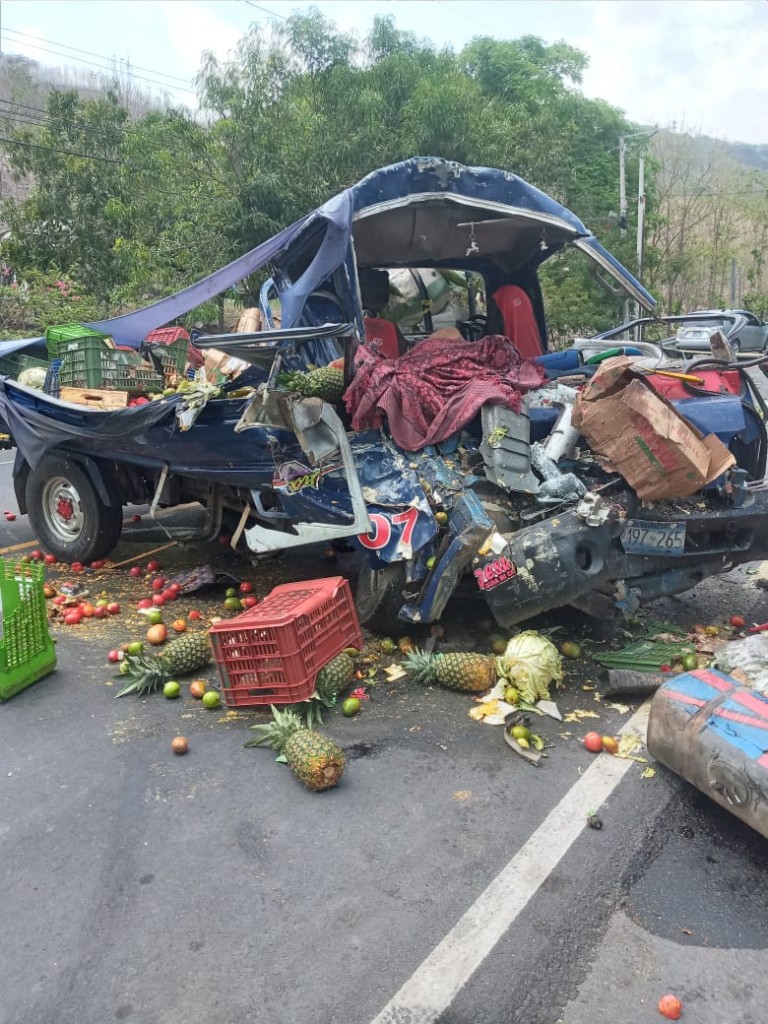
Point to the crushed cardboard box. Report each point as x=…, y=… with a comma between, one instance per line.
x=637, y=433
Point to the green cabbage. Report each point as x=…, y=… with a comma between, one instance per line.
x=33, y=377
x=531, y=663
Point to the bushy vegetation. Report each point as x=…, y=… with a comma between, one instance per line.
x=134, y=205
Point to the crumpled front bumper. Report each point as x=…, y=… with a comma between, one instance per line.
x=562, y=561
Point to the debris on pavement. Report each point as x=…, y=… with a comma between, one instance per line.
x=594, y=821
x=746, y=659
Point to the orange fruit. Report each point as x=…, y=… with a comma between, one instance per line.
x=197, y=688
x=157, y=634
x=179, y=626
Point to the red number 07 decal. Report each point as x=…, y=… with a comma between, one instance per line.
x=381, y=534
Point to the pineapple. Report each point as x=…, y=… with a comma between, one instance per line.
x=186, y=654
x=471, y=673
x=314, y=759
x=326, y=383
x=333, y=678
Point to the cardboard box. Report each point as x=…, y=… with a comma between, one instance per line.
x=637, y=433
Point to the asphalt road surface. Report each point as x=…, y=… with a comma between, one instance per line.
x=443, y=880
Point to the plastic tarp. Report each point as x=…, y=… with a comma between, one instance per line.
x=37, y=430
x=417, y=179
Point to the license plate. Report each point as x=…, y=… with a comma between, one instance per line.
x=644, y=538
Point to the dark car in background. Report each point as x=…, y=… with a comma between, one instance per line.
x=746, y=334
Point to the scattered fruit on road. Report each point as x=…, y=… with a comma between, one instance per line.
x=350, y=707
x=737, y=622
x=610, y=744
x=689, y=662
x=171, y=690
x=179, y=626
x=593, y=741
x=179, y=745
x=670, y=1007
x=157, y=634
x=211, y=699
x=570, y=649
x=197, y=688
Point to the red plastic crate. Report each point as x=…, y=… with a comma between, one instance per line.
x=272, y=653
x=166, y=335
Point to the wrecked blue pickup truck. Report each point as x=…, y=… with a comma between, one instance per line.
x=454, y=455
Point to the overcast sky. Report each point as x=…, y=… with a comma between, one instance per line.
x=698, y=63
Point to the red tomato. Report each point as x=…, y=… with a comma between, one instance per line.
x=100, y=612
x=194, y=616
x=113, y=608
x=670, y=1007
x=136, y=571
x=153, y=566
x=87, y=609
x=98, y=564
x=158, y=600
x=175, y=587
x=10, y=516
x=59, y=600
x=158, y=583
x=169, y=595
x=36, y=555
x=737, y=622
x=50, y=559
x=114, y=656
x=593, y=741
x=246, y=588
x=73, y=618
x=250, y=601
x=145, y=602
x=77, y=567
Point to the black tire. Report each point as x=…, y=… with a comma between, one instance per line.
x=69, y=518
x=380, y=596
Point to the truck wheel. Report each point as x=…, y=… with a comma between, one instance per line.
x=380, y=596
x=69, y=518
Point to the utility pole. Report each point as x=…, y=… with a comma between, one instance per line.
x=623, y=208
x=640, y=222
x=622, y=185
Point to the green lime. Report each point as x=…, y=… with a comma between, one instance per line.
x=511, y=694
x=230, y=592
x=135, y=647
x=689, y=662
x=570, y=650
x=154, y=616
x=171, y=689
x=350, y=706
x=211, y=699
x=232, y=604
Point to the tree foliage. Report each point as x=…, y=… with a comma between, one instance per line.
x=137, y=206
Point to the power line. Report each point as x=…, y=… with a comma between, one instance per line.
x=104, y=68
x=273, y=14
x=89, y=53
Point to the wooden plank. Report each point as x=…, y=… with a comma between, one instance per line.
x=95, y=399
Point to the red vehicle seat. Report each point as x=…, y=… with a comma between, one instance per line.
x=519, y=322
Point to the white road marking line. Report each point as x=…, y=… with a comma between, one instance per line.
x=435, y=984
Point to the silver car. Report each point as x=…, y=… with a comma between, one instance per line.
x=743, y=330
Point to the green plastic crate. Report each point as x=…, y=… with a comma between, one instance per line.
x=89, y=363
x=26, y=649
x=12, y=365
x=54, y=336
